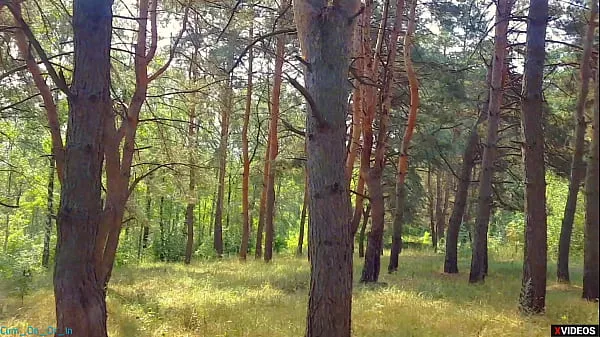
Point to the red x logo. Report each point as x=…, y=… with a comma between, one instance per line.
x=557, y=331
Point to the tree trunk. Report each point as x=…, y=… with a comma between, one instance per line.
x=577, y=164
x=192, y=148
x=7, y=218
x=325, y=34
x=358, y=205
x=460, y=200
x=373, y=175
x=484, y=209
x=410, y=127
x=161, y=224
x=592, y=216
x=146, y=228
x=262, y=205
x=370, y=272
x=49, y=215
x=439, y=213
x=363, y=229
x=431, y=208
x=274, y=147
x=246, y=157
x=533, y=291
x=225, y=113
x=303, y=216
x=78, y=289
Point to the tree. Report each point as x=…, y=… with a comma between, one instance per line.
x=408, y=132
x=189, y=210
x=79, y=278
x=479, y=258
x=246, y=156
x=591, y=269
x=460, y=199
x=226, y=107
x=273, y=144
x=325, y=34
x=303, y=216
x=49, y=214
x=373, y=174
x=461, y=196
x=83, y=267
x=533, y=290
x=577, y=164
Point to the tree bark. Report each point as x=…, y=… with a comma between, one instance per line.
x=246, y=157
x=591, y=269
x=225, y=113
x=577, y=164
x=325, y=34
x=49, y=215
x=79, y=286
x=273, y=147
x=484, y=209
x=533, y=290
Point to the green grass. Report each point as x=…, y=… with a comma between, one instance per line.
x=230, y=298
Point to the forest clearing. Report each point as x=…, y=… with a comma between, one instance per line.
x=229, y=298
x=316, y=168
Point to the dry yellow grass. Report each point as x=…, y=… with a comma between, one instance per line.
x=230, y=298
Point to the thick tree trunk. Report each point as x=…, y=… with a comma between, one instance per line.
x=460, y=200
x=225, y=113
x=274, y=148
x=246, y=157
x=577, y=164
x=79, y=292
x=49, y=215
x=484, y=209
x=533, y=291
x=325, y=34
x=363, y=229
x=591, y=269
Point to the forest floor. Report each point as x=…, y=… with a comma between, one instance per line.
x=229, y=298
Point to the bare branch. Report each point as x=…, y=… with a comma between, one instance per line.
x=173, y=48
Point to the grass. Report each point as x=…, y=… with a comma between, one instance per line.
x=230, y=298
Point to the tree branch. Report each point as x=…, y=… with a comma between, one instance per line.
x=311, y=102
x=59, y=81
